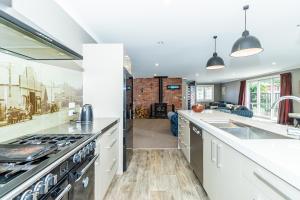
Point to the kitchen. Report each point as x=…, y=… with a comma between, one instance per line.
x=68, y=103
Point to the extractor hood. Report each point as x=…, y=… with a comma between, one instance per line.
x=20, y=37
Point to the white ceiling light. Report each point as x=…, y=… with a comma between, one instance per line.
x=167, y=2
x=196, y=74
x=156, y=64
x=274, y=63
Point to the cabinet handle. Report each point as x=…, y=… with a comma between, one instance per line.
x=213, y=151
x=219, y=156
x=112, y=166
x=111, y=145
x=270, y=185
x=113, y=131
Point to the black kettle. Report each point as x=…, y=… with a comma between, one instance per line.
x=86, y=115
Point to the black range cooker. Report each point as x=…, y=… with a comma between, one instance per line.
x=69, y=161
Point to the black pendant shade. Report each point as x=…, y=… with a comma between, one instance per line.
x=215, y=62
x=247, y=45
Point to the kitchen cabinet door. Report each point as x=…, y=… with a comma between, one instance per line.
x=222, y=169
x=210, y=178
x=107, y=163
x=229, y=173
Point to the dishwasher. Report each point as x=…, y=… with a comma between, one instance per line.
x=196, y=153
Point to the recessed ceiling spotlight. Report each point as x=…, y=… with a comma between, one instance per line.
x=196, y=74
x=155, y=74
x=274, y=63
x=160, y=42
x=156, y=64
x=298, y=25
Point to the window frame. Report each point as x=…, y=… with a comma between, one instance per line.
x=272, y=116
x=205, y=100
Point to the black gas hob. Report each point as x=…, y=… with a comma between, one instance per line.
x=26, y=156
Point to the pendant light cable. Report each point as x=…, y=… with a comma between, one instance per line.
x=215, y=37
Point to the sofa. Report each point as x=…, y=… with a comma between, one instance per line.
x=173, y=117
x=231, y=108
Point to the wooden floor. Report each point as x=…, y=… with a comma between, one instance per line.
x=157, y=175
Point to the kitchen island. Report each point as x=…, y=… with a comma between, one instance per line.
x=237, y=168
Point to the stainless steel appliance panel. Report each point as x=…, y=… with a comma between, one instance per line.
x=127, y=119
x=197, y=151
x=84, y=182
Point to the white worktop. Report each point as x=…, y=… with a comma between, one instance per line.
x=279, y=156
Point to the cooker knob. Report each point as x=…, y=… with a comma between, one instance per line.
x=94, y=145
x=27, y=195
x=50, y=181
x=40, y=188
x=90, y=145
x=86, y=150
x=77, y=158
x=81, y=154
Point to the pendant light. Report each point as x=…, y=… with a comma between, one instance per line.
x=215, y=62
x=247, y=45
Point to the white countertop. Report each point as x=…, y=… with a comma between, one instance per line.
x=279, y=156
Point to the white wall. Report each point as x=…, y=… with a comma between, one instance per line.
x=50, y=17
x=103, y=83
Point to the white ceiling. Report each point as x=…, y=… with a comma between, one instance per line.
x=187, y=26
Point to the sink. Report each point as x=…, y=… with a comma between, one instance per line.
x=246, y=132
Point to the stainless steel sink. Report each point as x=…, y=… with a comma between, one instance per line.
x=246, y=132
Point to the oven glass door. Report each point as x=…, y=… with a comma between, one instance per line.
x=83, y=186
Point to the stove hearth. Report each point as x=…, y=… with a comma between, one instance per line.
x=160, y=109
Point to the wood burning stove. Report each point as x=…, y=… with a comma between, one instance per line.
x=160, y=109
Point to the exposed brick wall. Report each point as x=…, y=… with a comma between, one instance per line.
x=145, y=92
x=173, y=96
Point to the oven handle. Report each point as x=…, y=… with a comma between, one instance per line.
x=87, y=167
x=66, y=190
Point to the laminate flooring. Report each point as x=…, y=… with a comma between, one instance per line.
x=157, y=175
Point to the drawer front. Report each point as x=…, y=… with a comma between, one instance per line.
x=267, y=183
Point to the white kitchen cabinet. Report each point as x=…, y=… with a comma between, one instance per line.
x=267, y=186
x=184, y=136
x=222, y=169
x=230, y=175
x=103, y=80
x=107, y=164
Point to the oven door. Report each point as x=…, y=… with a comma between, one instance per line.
x=83, y=181
x=60, y=191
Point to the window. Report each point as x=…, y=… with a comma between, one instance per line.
x=205, y=93
x=261, y=94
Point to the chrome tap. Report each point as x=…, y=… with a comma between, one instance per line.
x=290, y=130
x=284, y=98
